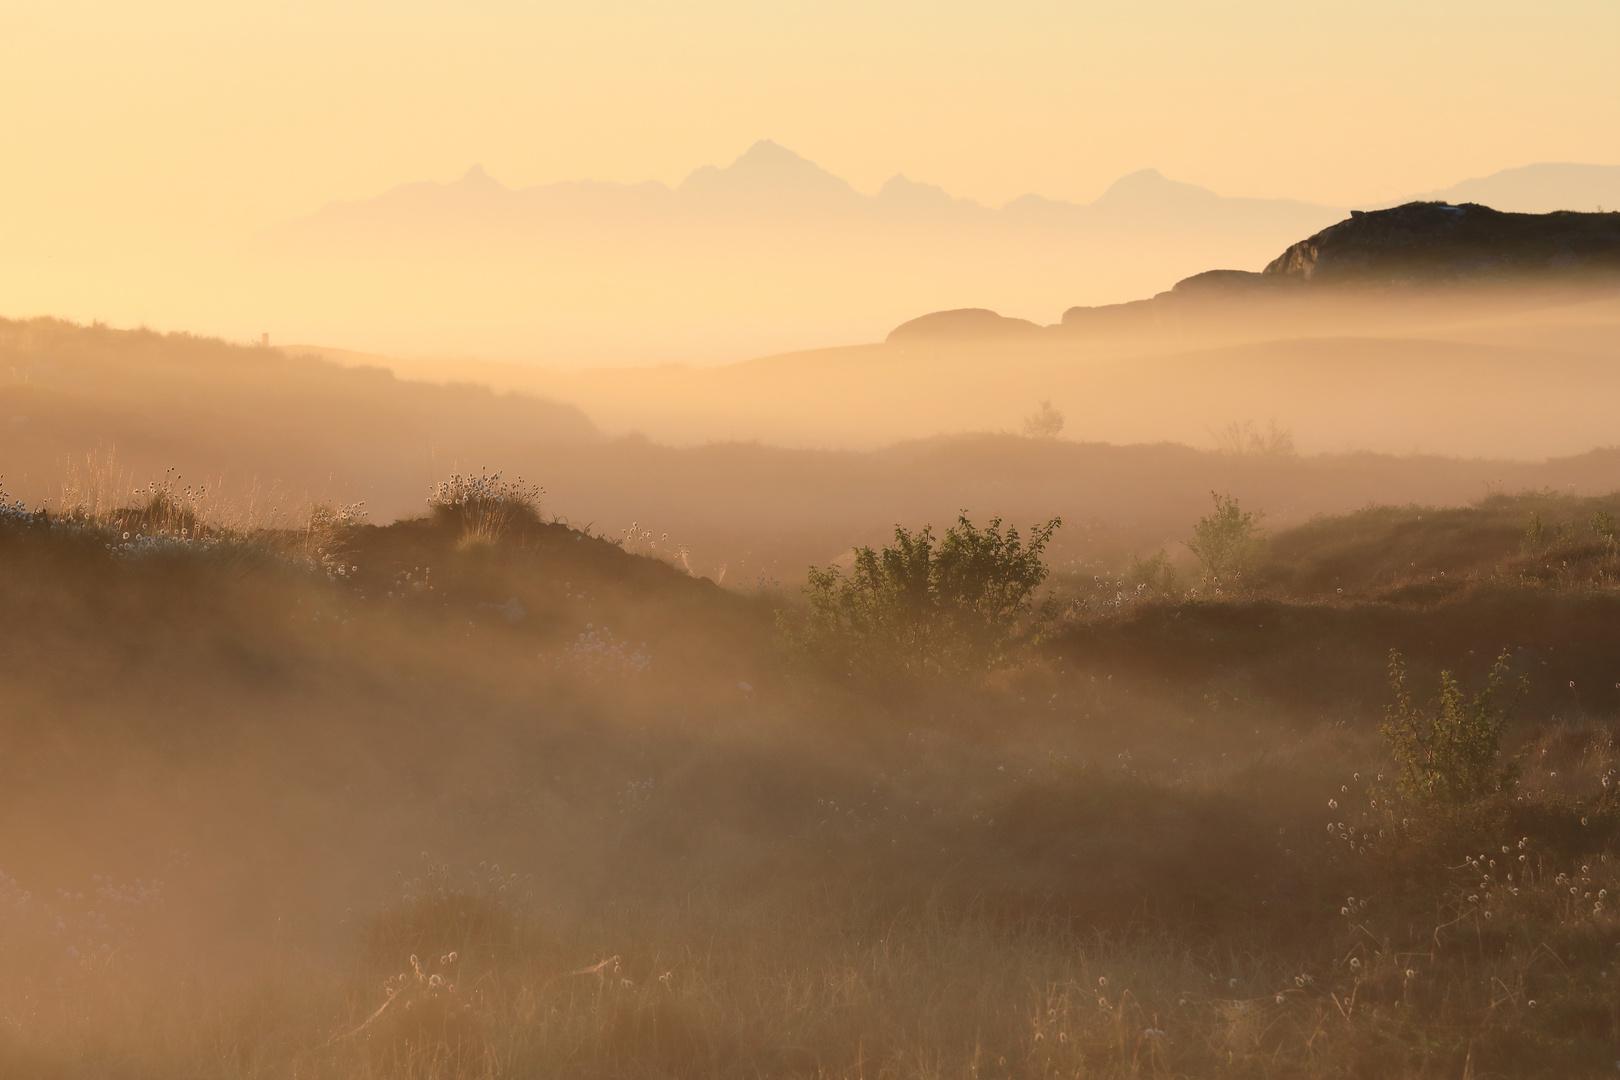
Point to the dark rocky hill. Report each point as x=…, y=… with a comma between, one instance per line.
x=1416, y=246
x=1436, y=243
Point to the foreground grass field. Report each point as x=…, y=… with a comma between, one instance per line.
x=441, y=800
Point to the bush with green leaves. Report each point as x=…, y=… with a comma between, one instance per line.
x=1606, y=530
x=1228, y=541
x=1154, y=575
x=924, y=605
x=1450, y=753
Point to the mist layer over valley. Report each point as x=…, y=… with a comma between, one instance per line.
x=765, y=254
x=1220, y=682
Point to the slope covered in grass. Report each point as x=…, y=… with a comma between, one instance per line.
x=262, y=789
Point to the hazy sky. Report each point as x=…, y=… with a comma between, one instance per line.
x=127, y=122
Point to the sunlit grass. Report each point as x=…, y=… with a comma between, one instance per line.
x=1093, y=862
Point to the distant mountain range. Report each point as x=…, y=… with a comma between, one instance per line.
x=771, y=252
x=772, y=180
x=1537, y=189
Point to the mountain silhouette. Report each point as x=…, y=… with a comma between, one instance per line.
x=1419, y=245
x=1537, y=189
x=769, y=177
x=767, y=253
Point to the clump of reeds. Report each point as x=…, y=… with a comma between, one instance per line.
x=11, y=508
x=485, y=505
x=165, y=508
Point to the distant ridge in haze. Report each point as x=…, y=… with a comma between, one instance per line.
x=1537, y=189
x=1419, y=245
x=766, y=254
x=771, y=177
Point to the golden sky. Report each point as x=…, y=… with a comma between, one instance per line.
x=127, y=120
x=139, y=138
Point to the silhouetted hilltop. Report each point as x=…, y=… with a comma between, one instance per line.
x=1532, y=189
x=963, y=324
x=1435, y=243
x=210, y=407
x=1422, y=245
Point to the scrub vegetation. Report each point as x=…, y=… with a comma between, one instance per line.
x=484, y=794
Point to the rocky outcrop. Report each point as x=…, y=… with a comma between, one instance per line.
x=1436, y=243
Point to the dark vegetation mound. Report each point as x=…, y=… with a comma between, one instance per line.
x=452, y=802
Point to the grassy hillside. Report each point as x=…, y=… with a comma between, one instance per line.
x=268, y=434
x=273, y=427
x=261, y=789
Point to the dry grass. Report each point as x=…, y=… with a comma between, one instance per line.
x=1159, y=847
x=819, y=985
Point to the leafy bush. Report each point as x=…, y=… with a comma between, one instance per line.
x=923, y=605
x=1606, y=530
x=1449, y=755
x=1535, y=536
x=1045, y=423
x=1228, y=541
x=1153, y=575
x=1246, y=438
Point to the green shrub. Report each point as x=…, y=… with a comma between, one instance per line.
x=1452, y=753
x=1153, y=575
x=1606, y=530
x=1228, y=541
x=1046, y=423
x=923, y=605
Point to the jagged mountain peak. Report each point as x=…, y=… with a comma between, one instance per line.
x=768, y=172
x=477, y=180
x=1151, y=185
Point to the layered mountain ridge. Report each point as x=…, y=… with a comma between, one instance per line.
x=1416, y=246
x=766, y=254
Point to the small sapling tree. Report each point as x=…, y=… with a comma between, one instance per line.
x=1227, y=541
x=1154, y=575
x=1450, y=753
x=1045, y=423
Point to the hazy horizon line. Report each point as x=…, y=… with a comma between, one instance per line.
x=476, y=172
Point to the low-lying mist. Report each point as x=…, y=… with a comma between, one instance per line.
x=91, y=413
x=1481, y=372
x=479, y=794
